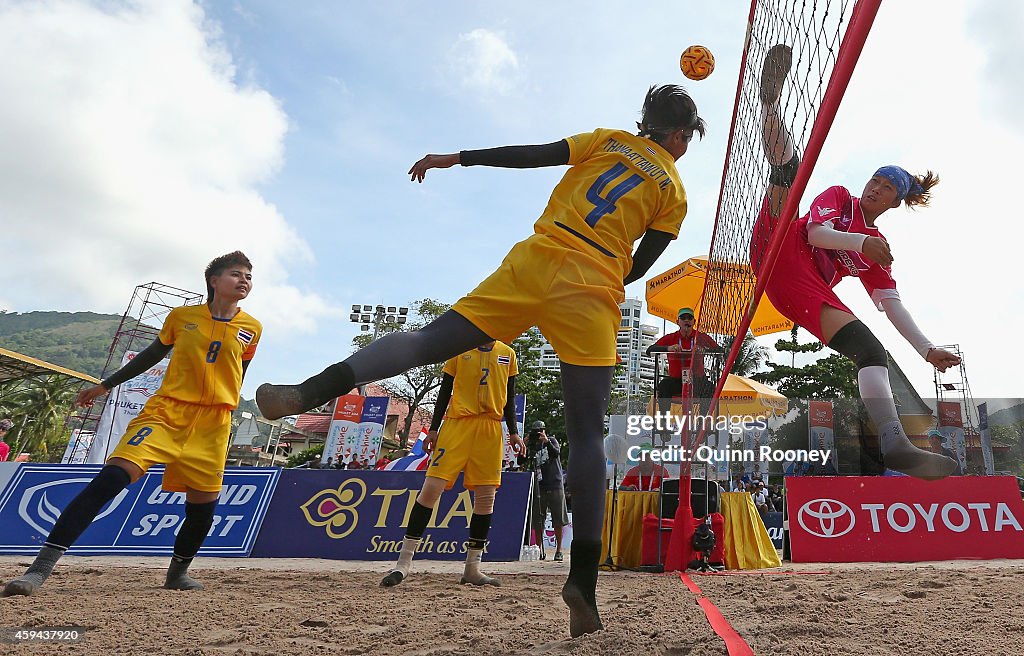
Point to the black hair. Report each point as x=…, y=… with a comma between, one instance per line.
x=220, y=264
x=668, y=108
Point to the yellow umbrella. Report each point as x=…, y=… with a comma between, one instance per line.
x=743, y=396
x=683, y=286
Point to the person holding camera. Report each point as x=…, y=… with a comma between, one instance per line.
x=542, y=458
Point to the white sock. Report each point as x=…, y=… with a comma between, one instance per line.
x=472, y=573
x=409, y=547
x=877, y=396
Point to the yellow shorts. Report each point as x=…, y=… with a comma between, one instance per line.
x=562, y=291
x=191, y=439
x=470, y=444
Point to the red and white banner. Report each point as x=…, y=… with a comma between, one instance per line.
x=822, y=434
x=951, y=424
x=854, y=519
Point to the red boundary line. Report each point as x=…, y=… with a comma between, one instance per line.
x=734, y=643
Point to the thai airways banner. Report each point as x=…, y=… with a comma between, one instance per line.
x=852, y=519
x=951, y=424
x=362, y=515
x=123, y=404
x=773, y=524
x=822, y=433
x=140, y=521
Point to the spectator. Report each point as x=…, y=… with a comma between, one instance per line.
x=330, y=463
x=738, y=485
x=543, y=458
x=5, y=449
x=760, y=496
x=680, y=345
x=646, y=476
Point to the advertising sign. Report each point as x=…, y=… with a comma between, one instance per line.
x=362, y=515
x=903, y=519
x=140, y=521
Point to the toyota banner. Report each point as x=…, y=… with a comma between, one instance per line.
x=903, y=519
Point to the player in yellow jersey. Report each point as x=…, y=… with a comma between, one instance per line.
x=568, y=280
x=186, y=425
x=477, y=392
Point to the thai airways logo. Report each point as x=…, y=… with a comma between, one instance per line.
x=335, y=510
x=40, y=510
x=826, y=518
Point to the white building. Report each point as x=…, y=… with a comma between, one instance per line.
x=633, y=339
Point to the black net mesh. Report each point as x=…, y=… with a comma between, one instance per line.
x=810, y=37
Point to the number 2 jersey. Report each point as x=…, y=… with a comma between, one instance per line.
x=618, y=187
x=481, y=381
x=206, y=363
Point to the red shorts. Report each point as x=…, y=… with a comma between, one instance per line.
x=796, y=287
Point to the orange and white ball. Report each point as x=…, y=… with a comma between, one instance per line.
x=697, y=62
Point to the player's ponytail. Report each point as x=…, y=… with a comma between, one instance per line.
x=920, y=193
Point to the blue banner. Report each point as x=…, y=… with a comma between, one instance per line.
x=773, y=522
x=362, y=515
x=141, y=521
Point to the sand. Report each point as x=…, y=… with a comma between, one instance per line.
x=296, y=606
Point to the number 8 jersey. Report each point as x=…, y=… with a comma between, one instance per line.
x=206, y=363
x=620, y=185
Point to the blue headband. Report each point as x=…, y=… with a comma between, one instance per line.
x=903, y=181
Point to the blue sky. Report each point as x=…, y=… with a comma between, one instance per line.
x=142, y=139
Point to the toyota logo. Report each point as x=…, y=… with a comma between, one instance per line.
x=826, y=518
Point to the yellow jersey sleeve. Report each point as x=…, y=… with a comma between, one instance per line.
x=169, y=330
x=451, y=367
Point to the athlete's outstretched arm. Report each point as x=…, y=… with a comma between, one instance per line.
x=146, y=358
x=898, y=315
x=650, y=249
x=513, y=157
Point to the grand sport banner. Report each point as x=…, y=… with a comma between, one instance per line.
x=362, y=515
x=141, y=521
x=854, y=519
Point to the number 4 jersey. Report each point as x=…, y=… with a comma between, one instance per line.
x=620, y=185
x=206, y=363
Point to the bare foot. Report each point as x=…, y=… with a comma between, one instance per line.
x=276, y=401
x=773, y=73
x=583, y=615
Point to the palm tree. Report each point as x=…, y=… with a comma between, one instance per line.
x=751, y=357
x=38, y=406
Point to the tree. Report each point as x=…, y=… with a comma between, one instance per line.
x=418, y=386
x=39, y=406
x=542, y=387
x=833, y=377
x=751, y=357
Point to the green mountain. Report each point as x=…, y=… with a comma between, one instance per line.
x=76, y=340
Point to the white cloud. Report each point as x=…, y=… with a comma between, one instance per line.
x=483, y=60
x=132, y=154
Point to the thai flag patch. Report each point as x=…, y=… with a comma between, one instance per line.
x=245, y=336
x=504, y=359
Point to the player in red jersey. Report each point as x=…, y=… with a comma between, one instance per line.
x=838, y=238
